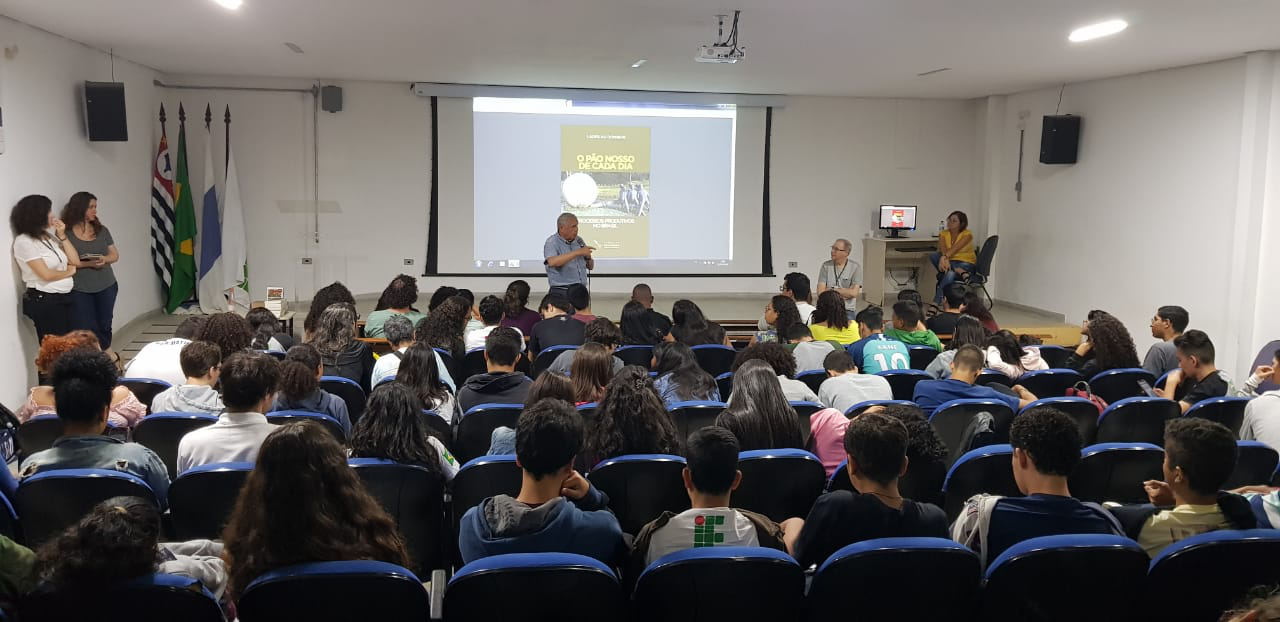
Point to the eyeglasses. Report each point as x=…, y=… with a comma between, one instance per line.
x=837, y=248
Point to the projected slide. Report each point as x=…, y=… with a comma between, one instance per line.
x=651, y=185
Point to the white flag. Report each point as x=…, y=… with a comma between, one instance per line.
x=212, y=300
x=235, y=259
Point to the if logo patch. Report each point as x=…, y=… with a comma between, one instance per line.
x=704, y=530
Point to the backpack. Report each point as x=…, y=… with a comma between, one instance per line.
x=8, y=434
x=1087, y=393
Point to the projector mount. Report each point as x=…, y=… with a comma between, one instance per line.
x=725, y=49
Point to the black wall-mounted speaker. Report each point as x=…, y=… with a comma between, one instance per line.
x=331, y=98
x=104, y=116
x=1060, y=139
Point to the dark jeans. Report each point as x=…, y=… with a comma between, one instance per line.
x=947, y=278
x=52, y=313
x=94, y=311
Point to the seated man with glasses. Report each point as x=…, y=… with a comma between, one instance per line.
x=842, y=275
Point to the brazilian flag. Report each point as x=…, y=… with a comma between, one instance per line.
x=184, y=227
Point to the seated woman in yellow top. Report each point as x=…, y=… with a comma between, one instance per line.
x=831, y=320
x=955, y=254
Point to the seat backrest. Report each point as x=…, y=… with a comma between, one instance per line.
x=715, y=359
x=347, y=590
x=921, y=356
x=480, y=479
x=473, y=364
x=150, y=598
x=724, y=383
x=476, y=426
x=38, y=434
x=986, y=469
x=991, y=376
x=453, y=366
x=1046, y=383
x=534, y=586
x=987, y=255
x=1065, y=577
x=145, y=389
x=857, y=409
x=812, y=378
x=804, y=410
x=779, y=483
x=731, y=582
x=1228, y=411
x=348, y=391
x=442, y=428
x=414, y=497
x=1201, y=576
x=641, y=487
x=1256, y=462
x=1116, y=384
x=547, y=356
x=51, y=501
x=1055, y=356
x=281, y=417
x=903, y=381
x=884, y=577
x=1081, y=410
x=201, y=498
x=951, y=420
x=1116, y=471
x=635, y=355
x=161, y=433
x=1136, y=420
x=689, y=417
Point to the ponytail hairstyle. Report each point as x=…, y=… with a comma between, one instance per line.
x=516, y=298
x=264, y=325
x=298, y=372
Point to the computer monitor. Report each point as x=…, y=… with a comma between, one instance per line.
x=895, y=218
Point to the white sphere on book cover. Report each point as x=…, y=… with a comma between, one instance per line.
x=580, y=190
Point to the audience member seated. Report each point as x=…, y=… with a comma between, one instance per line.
x=808, y=353
x=444, y=326
x=502, y=384
x=877, y=351
x=580, y=297
x=1196, y=379
x=490, y=310
x=82, y=384
x=299, y=387
x=17, y=570
x=1046, y=448
x=302, y=503
x=547, y=386
x=826, y=437
x=341, y=353
x=515, y=308
x=330, y=294
x=125, y=409
x=600, y=330
x=266, y=331
x=906, y=320
x=473, y=314
x=399, y=334
x=876, y=446
x=952, y=306
x=201, y=362
x=926, y=453
x=930, y=394
x=956, y=255
x=118, y=540
x=841, y=275
x=830, y=320
x=398, y=298
x=630, y=419
x=393, y=428
x=845, y=387
x=557, y=509
x=592, y=369
x=692, y=328
x=1262, y=413
x=680, y=379
x=160, y=359
x=420, y=372
x=911, y=295
x=658, y=323
x=1007, y=357
x=757, y=412
x=1166, y=325
x=249, y=380
x=783, y=364
x=637, y=328
x=968, y=331
x=1107, y=345
x=710, y=478
x=557, y=328
x=973, y=305
x=780, y=314
x=795, y=285
x=230, y=332
x=1199, y=456
x=442, y=293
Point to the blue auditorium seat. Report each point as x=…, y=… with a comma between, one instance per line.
x=150, y=598
x=51, y=501
x=1046, y=383
x=903, y=381
x=1082, y=411
x=1066, y=577
x=546, y=357
x=202, y=497
x=281, y=417
x=1136, y=420
x=779, y=483
x=1256, y=462
x=1227, y=410
x=534, y=586
x=476, y=426
x=1115, y=472
x=689, y=417
x=813, y=378
x=1200, y=577
x=857, y=409
x=721, y=583
x=635, y=355
x=881, y=580
x=921, y=356
x=480, y=479
x=641, y=486
x=984, y=470
x=414, y=497
x=724, y=384
x=145, y=389
x=1114, y=385
x=714, y=359
x=335, y=592
x=349, y=391
x=161, y=432
x=952, y=419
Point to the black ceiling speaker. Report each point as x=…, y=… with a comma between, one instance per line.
x=104, y=117
x=1060, y=139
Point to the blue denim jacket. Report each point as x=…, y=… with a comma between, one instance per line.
x=102, y=452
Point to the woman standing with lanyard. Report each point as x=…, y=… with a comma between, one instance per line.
x=94, y=296
x=955, y=254
x=47, y=262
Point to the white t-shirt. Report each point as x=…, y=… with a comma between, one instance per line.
x=27, y=248
x=700, y=528
x=236, y=437
x=475, y=339
x=843, y=391
x=159, y=360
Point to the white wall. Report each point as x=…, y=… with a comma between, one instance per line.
x=46, y=152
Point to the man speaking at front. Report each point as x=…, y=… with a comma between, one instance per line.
x=566, y=256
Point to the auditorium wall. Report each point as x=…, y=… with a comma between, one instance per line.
x=46, y=152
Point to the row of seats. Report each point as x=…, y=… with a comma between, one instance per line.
x=1066, y=577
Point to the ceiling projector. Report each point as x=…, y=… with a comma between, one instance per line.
x=725, y=49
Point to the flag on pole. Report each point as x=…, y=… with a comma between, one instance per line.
x=183, y=284
x=162, y=211
x=212, y=299
x=235, y=258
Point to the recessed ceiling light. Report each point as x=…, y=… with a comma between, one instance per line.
x=1100, y=29
x=230, y=4
x=637, y=64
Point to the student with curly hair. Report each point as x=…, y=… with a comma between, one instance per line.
x=680, y=378
x=48, y=264
x=515, y=308
x=299, y=387
x=230, y=332
x=303, y=503
x=420, y=371
x=592, y=369
x=444, y=325
x=630, y=419
x=394, y=428
x=926, y=454
x=783, y=364
x=125, y=410
x=330, y=294
x=397, y=299
x=757, y=412
x=266, y=331
x=1107, y=346
x=780, y=314
x=442, y=293
x=831, y=320
x=340, y=351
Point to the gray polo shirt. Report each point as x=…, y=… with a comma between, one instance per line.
x=573, y=272
x=848, y=276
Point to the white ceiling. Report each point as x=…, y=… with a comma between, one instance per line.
x=818, y=47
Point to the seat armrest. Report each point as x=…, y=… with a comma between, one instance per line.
x=438, y=583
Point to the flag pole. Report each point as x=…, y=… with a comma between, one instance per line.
x=226, y=119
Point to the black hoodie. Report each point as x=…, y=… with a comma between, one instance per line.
x=499, y=388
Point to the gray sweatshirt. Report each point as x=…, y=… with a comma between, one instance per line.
x=188, y=398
